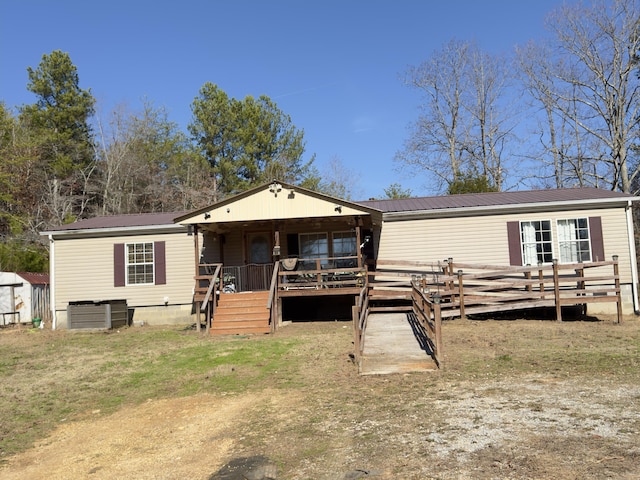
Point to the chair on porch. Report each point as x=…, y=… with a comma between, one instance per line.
x=289, y=265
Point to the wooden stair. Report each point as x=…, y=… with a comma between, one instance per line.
x=241, y=313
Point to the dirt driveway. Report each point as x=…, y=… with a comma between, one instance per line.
x=494, y=411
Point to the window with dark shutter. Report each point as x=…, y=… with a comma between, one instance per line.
x=159, y=258
x=515, y=249
x=118, y=265
x=597, y=241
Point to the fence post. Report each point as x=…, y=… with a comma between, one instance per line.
x=527, y=275
x=437, y=327
x=556, y=290
x=450, y=273
x=616, y=273
x=541, y=279
x=461, y=295
x=581, y=284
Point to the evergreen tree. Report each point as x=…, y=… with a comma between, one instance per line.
x=60, y=115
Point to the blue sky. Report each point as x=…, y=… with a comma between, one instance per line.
x=333, y=66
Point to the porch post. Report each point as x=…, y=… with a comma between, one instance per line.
x=358, y=242
x=197, y=258
x=276, y=242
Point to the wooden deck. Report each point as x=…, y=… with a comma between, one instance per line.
x=394, y=343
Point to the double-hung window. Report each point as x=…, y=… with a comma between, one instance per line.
x=139, y=263
x=573, y=240
x=537, y=246
x=569, y=240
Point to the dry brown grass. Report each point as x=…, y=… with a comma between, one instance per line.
x=515, y=399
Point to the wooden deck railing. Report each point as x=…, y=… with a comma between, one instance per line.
x=360, y=313
x=272, y=302
x=320, y=273
x=427, y=309
x=248, y=278
x=206, y=280
x=467, y=289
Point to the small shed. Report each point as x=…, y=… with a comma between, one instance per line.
x=23, y=297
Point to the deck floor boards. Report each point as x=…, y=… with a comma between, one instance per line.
x=392, y=346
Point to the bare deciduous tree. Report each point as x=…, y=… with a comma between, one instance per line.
x=587, y=85
x=465, y=121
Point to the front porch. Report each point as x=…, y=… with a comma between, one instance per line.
x=266, y=291
x=284, y=240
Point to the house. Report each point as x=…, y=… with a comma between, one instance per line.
x=24, y=296
x=145, y=259
x=516, y=228
x=321, y=246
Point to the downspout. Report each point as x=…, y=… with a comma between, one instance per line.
x=52, y=282
x=634, y=260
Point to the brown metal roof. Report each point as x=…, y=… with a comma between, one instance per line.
x=494, y=199
x=122, y=221
x=34, y=278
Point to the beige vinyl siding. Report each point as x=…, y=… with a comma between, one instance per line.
x=483, y=239
x=84, y=270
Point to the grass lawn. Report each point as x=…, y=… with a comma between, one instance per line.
x=543, y=372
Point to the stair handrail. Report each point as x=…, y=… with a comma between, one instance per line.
x=272, y=294
x=212, y=284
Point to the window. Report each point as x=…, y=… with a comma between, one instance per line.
x=344, y=245
x=139, y=263
x=578, y=240
x=573, y=240
x=314, y=245
x=536, y=242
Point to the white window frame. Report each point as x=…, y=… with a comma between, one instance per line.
x=132, y=260
x=574, y=240
x=533, y=243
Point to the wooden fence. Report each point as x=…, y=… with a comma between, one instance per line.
x=467, y=289
x=428, y=312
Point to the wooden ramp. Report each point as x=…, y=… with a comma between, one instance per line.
x=395, y=343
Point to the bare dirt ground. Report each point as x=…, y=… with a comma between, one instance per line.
x=503, y=407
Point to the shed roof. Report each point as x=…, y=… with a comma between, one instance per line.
x=498, y=199
x=35, y=278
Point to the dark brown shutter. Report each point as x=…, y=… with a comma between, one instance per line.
x=597, y=242
x=118, y=265
x=159, y=263
x=515, y=249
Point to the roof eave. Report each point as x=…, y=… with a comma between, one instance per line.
x=497, y=209
x=116, y=231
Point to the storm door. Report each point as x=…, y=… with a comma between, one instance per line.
x=259, y=246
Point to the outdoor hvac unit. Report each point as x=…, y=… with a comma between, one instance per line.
x=103, y=314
